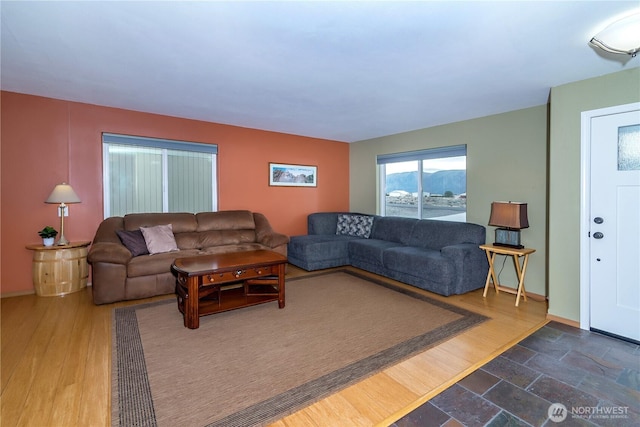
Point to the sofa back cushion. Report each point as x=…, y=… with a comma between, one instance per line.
x=208, y=239
x=225, y=228
x=180, y=222
x=225, y=220
x=323, y=222
x=434, y=234
x=202, y=230
x=393, y=229
x=182, y=225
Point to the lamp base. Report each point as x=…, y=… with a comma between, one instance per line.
x=509, y=238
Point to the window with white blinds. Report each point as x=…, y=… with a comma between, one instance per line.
x=157, y=175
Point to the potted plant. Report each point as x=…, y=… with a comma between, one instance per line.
x=48, y=234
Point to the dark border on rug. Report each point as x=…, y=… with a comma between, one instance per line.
x=135, y=388
x=131, y=400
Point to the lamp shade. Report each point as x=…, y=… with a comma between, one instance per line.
x=621, y=36
x=63, y=193
x=509, y=214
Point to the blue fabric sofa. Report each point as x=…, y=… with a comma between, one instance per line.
x=439, y=256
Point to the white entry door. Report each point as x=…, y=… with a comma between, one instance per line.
x=614, y=230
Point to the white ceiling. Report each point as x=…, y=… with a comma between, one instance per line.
x=344, y=71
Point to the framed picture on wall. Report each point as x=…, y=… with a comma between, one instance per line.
x=286, y=175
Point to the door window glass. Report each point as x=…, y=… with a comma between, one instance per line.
x=629, y=148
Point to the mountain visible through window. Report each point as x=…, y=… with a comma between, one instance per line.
x=429, y=187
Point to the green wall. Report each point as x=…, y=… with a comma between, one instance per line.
x=530, y=155
x=567, y=102
x=506, y=160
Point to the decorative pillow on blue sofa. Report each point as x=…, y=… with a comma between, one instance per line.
x=354, y=225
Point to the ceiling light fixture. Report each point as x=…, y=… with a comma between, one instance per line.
x=621, y=36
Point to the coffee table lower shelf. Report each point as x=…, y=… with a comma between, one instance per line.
x=219, y=298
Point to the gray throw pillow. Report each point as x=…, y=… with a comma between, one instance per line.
x=134, y=241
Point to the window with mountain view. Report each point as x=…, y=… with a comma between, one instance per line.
x=425, y=184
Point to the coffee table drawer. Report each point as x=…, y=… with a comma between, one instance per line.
x=240, y=274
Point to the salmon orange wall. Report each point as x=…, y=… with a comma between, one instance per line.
x=47, y=141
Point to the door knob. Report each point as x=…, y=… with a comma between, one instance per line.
x=598, y=220
x=598, y=235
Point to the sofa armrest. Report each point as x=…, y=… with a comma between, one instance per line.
x=471, y=263
x=459, y=250
x=274, y=240
x=467, y=253
x=265, y=234
x=107, y=252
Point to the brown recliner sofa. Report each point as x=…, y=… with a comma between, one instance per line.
x=117, y=275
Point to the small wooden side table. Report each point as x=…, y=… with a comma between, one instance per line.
x=59, y=270
x=491, y=251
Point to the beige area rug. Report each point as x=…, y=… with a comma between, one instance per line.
x=255, y=365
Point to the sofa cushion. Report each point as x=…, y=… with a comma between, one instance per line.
x=225, y=220
x=354, y=225
x=393, y=229
x=319, y=247
x=207, y=239
x=189, y=240
x=159, y=238
x=322, y=223
x=134, y=241
x=370, y=250
x=150, y=265
x=435, y=234
x=180, y=222
x=421, y=262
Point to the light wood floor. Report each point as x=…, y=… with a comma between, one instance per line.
x=56, y=362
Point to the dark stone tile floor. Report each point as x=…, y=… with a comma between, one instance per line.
x=587, y=379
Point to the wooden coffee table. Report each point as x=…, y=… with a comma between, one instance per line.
x=209, y=284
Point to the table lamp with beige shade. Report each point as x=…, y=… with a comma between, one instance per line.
x=63, y=194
